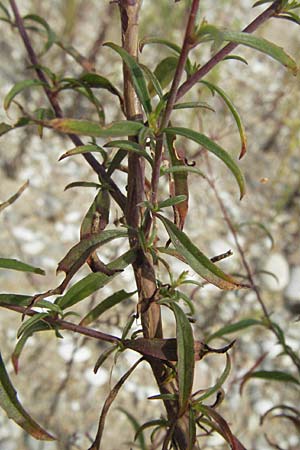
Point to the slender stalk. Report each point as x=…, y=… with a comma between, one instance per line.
x=294, y=357
x=186, y=46
x=65, y=325
x=219, y=56
x=91, y=160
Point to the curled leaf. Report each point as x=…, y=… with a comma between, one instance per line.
x=212, y=147
x=19, y=87
x=197, y=260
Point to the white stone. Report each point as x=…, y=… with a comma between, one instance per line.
x=278, y=265
x=82, y=354
x=293, y=288
x=98, y=379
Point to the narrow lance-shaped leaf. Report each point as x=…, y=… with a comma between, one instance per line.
x=171, y=45
x=219, y=382
x=264, y=46
x=164, y=73
x=89, y=148
x=14, y=197
x=180, y=182
x=15, y=411
x=15, y=299
x=82, y=184
x=93, y=129
x=212, y=147
x=78, y=254
x=19, y=87
x=94, y=80
x=5, y=127
x=13, y=264
x=130, y=146
x=185, y=352
x=210, y=32
x=39, y=326
x=234, y=112
x=190, y=105
x=136, y=427
x=105, y=305
x=136, y=75
x=51, y=36
x=95, y=281
x=233, y=328
x=274, y=375
x=197, y=260
x=154, y=82
x=222, y=427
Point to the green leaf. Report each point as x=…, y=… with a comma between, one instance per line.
x=164, y=73
x=89, y=148
x=214, y=148
x=233, y=328
x=259, y=225
x=15, y=411
x=181, y=186
x=186, y=357
x=137, y=428
x=196, y=259
x=51, y=36
x=137, y=76
x=237, y=58
x=261, y=2
x=5, y=10
x=186, y=105
x=82, y=184
x=233, y=111
x=219, y=382
x=264, y=46
x=172, y=201
x=97, y=217
x=274, y=375
x=15, y=299
x=172, y=397
x=13, y=264
x=39, y=326
x=29, y=324
x=183, y=169
x=94, y=281
x=93, y=80
x=105, y=305
x=19, y=87
x=153, y=81
x=5, y=128
x=292, y=17
x=130, y=146
x=176, y=48
x=48, y=305
x=78, y=254
x=103, y=357
x=158, y=423
x=93, y=129
x=14, y=197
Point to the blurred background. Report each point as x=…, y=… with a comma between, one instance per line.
x=56, y=382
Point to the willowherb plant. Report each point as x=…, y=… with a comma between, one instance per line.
x=147, y=148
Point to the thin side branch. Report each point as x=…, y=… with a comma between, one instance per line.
x=64, y=325
x=219, y=56
x=91, y=160
x=186, y=46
